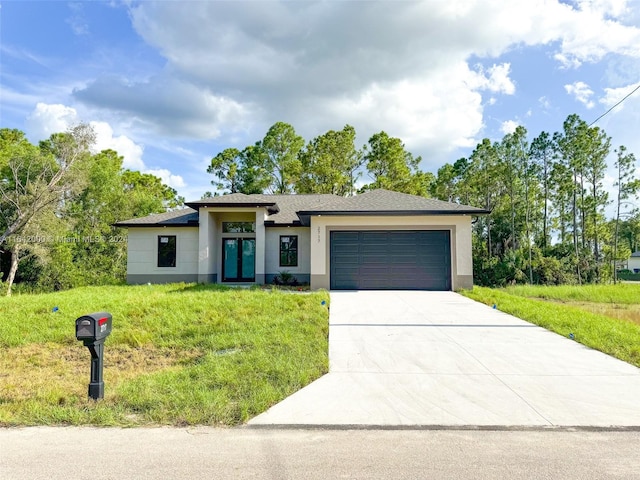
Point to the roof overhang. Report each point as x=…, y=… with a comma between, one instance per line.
x=272, y=207
x=305, y=216
x=156, y=225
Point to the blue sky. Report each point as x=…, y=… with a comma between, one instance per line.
x=170, y=84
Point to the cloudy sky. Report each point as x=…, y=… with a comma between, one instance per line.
x=169, y=84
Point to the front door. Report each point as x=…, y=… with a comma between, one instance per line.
x=238, y=259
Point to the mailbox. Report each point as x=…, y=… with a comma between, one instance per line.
x=93, y=327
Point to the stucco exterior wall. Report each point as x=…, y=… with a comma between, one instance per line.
x=272, y=252
x=633, y=263
x=458, y=225
x=142, y=255
x=210, y=240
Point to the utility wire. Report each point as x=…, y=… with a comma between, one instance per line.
x=627, y=96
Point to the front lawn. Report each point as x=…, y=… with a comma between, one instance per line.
x=603, y=317
x=179, y=354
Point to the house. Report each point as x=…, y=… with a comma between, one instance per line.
x=376, y=240
x=633, y=263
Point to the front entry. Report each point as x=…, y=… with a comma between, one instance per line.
x=238, y=259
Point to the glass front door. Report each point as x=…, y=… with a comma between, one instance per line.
x=238, y=259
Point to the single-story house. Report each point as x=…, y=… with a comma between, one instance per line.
x=633, y=263
x=375, y=240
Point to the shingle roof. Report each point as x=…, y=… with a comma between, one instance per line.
x=290, y=209
x=183, y=217
x=282, y=209
x=386, y=201
x=635, y=254
x=234, y=199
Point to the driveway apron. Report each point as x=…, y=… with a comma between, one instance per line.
x=407, y=358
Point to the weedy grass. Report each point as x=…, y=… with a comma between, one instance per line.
x=614, y=336
x=621, y=293
x=179, y=354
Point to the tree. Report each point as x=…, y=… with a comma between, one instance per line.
x=147, y=194
x=542, y=150
x=627, y=185
x=598, y=145
x=330, y=163
x=481, y=178
x=34, y=180
x=280, y=148
x=392, y=167
x=226, y=167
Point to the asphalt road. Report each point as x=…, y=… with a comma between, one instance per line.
x=172, y=453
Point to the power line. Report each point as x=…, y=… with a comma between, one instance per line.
x=627, y=96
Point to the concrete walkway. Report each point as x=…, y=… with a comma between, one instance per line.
x=440, y=359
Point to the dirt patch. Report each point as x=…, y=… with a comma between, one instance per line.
x=62, y=372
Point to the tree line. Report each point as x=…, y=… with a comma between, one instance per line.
x=58, y=204
x=546, y=195
x=59, y=201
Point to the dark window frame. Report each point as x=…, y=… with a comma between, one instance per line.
x=290, y=253
x=167, y=251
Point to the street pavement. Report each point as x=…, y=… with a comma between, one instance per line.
x=69, y=453
x=403, y=358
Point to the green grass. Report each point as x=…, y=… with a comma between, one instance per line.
x=613, y=336
x=621, y=293
x=179, y=354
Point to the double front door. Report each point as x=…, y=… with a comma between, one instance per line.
x=238, y=259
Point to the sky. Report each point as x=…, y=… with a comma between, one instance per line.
x=169, y=84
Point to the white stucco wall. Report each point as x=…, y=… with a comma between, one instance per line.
x=634, y=262
x=142, y=251
x=460, y=225
x=272, y=254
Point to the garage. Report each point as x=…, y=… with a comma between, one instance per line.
x=390, y=260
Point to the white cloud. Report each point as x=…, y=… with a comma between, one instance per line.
x=581, y=92
x=47, y=119
x=168, y=178
x=127, y=148
x=624, y=119
x=615, y=95
x=544, y=102
x=496, y=79
x=509, y=126
x=77, y=20
x=233, y=69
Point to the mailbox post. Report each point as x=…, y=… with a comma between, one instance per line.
x=93, y=329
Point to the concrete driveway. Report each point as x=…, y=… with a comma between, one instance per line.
x=439, y=359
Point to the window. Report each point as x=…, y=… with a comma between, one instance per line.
x=238, y=227
x=289, y=251
x=166, y=250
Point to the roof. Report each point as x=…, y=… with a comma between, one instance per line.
x=380, y=201
x=635, y=254
x=186, y=217
x=296, y=209
x=282, y=209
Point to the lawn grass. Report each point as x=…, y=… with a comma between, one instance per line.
x=613, y=336
x=179, y=354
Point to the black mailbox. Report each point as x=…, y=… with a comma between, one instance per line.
x=93, y=327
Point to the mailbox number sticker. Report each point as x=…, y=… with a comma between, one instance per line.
x=103, y=328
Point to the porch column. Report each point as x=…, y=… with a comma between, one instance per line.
x=206, y=273
x=260, y=246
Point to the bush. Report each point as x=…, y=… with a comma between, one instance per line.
x=285, y=278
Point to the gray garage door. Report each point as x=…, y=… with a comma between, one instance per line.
x=391, y=260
